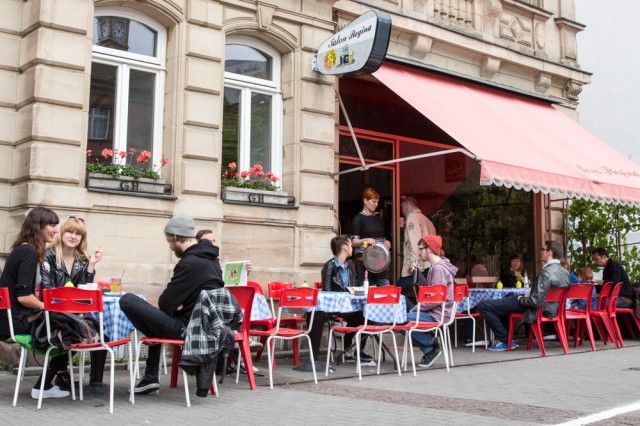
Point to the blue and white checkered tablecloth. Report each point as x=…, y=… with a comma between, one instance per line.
x=478, y=294
x=260, y=309
x=116, y=324
x=339, y=301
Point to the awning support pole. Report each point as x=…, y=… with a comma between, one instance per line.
x=413, y=157
x=353, y=134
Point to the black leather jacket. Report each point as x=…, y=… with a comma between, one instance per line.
x=332, y=279
x=551, y=275
x=53, y=276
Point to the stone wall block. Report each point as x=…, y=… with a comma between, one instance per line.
x=202, y=109
x=204, y=43
x=11, y=16
x=316, y=158
x=8, y=83
x=318, y=98
x=73, y=16
x=316, y=189
x=10, y=48
x=203, y=75
x=55, y=85
x=46, y=45
x=56, y=162
x=201, y=143
x=204, y=12
x=199, y=177
x=315, y=247
x=317, y=128
x=58, y=123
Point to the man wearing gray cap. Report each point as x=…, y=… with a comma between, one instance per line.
x=197, y=270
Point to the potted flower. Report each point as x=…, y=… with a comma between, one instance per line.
x=252, y=186
x=110, y=171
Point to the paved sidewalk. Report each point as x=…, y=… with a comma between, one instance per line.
x=484, y=388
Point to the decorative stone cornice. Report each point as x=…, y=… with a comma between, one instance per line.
x=489, y=67
x=420, y=46
x=543, y=82
x=572, y=89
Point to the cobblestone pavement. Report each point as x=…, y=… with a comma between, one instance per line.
x=484, y=388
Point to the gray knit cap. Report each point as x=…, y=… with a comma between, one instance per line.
x=181, y=225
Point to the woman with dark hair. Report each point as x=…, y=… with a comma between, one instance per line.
x=67, y=259
x=368, y=227
x=19, y=276
x=513, y=273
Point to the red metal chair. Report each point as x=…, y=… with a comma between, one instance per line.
x=387, y=295
x=244, y=296
x=275, y=288
x=265, y=324
x=580, y=316
x=73, y=300
x=426, y=294
x=21, y=339
x=555, y=295
x=462, y=290
x=607, y=317
x=298, y=298
x=628, y=314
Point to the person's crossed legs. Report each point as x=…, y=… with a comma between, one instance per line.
x=151, y=322
x=493, y=311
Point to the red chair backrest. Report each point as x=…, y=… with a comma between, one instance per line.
x=386, y=295
x=603, y=298
x=318, y=285
x=460, y=291
x=257, y=287
x=5, y=300
x=556, y=294
x=581, y=292
x=432, y=294
x=613, y=299
x=244, y=296
x=275, y=288
x=303, y=297
x=71, y=299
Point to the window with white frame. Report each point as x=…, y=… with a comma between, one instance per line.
x=252, y=121
x=127, y=77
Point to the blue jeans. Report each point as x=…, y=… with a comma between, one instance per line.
x=495, y=310
x=151, y=322
x=422, y=340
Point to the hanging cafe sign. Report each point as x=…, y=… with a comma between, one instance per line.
x=357, y=49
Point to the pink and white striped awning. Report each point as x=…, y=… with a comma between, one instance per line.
x=521, y=142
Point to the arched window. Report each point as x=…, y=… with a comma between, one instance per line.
x=127, y=77
x=252, y=122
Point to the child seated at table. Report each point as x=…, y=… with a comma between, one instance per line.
x=585, y=276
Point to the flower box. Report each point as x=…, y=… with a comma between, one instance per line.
x=126, y=184
x=257, y=197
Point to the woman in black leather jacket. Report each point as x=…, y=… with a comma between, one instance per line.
x=67, y=259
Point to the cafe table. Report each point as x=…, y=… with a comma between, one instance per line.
x=342, y=301
x=478, y=294
x=260, y=309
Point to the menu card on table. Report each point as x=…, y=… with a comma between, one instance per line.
x=235, y=273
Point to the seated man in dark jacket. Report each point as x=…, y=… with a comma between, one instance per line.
x=552, y=274
x=614, y=272
x=197, y=270
x=339, y=273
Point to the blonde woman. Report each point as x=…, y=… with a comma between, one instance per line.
x=67, y=259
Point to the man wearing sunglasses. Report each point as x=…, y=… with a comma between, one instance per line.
x=498, y=310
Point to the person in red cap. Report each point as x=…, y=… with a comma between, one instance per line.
x=442, y=273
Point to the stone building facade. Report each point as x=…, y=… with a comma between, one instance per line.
x=56, y=54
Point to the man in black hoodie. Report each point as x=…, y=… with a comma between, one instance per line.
x=197, y=270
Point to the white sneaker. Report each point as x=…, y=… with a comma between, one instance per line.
x=53, y=392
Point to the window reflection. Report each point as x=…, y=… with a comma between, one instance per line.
x=247, y=61
x=141, y=101
x=124, y=34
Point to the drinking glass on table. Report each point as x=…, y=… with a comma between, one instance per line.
x=116, y=285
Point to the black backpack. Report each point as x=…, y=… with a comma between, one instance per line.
x=66, y=329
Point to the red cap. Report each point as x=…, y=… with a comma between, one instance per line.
x=434, y=242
